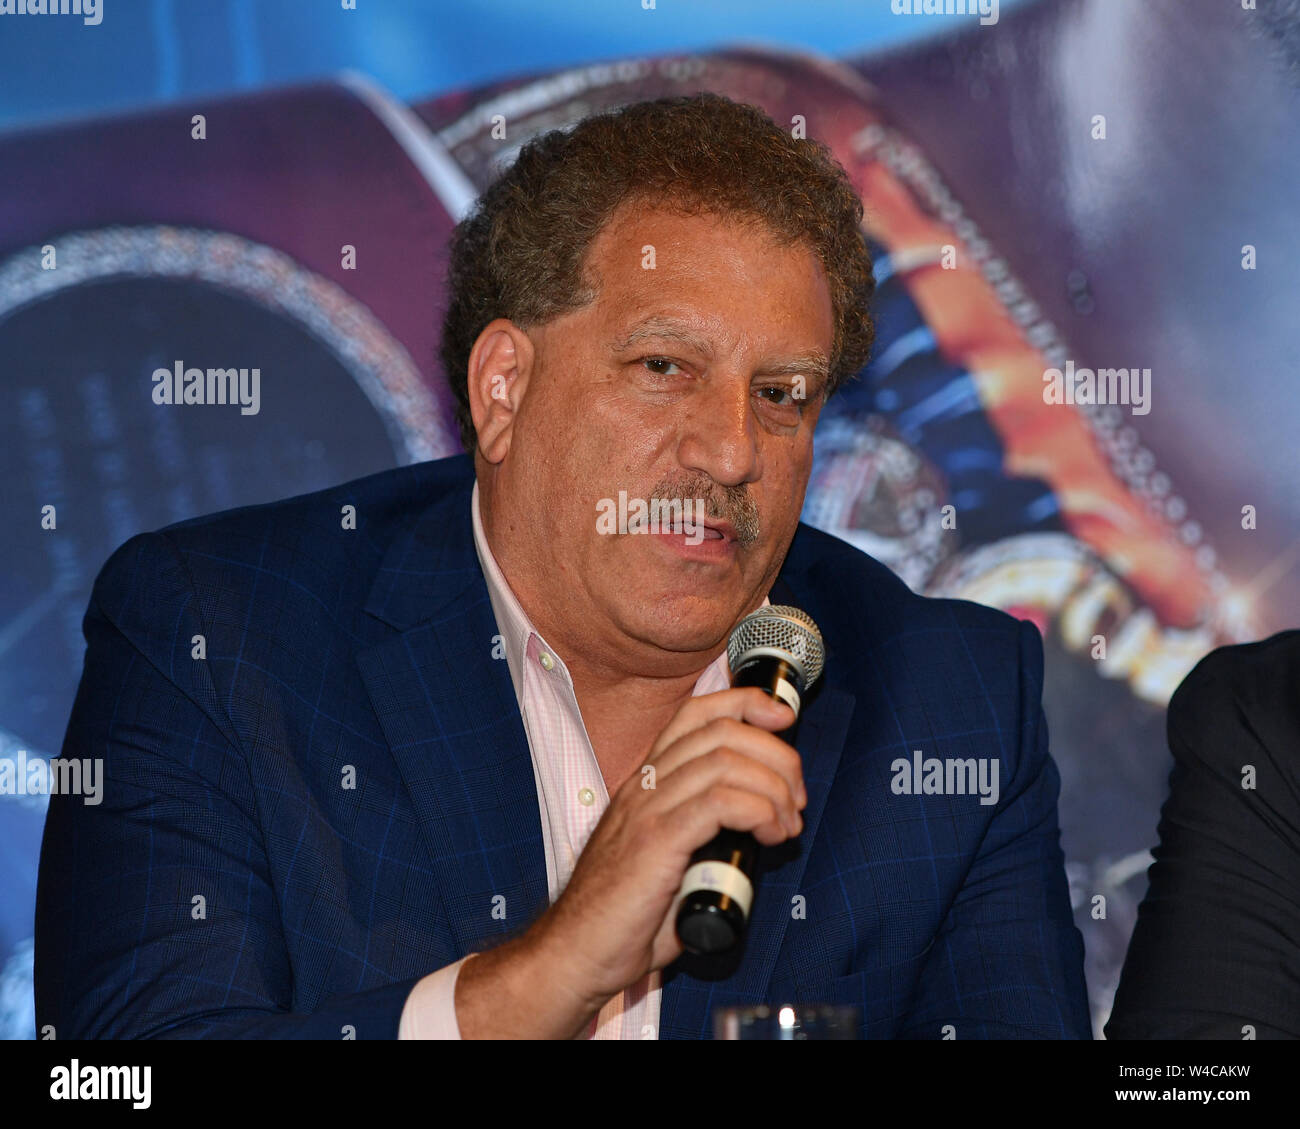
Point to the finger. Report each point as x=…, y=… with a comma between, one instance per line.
x=745, y=703
x=725, y=767
x=748, y=739
x=722, y=805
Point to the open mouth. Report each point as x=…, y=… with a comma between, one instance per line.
x=707, y=532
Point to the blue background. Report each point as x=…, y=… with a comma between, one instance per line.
x=154, y=50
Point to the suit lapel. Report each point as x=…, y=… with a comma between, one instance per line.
x=448, y=711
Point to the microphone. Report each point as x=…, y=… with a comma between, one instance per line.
x=779, y=649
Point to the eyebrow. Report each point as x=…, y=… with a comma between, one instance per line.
x=657, y=328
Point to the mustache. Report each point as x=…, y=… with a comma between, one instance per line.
x=724, y=503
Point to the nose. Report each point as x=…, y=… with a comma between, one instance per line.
x=719, y=437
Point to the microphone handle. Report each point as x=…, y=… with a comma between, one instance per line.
x=778, y=677
x=718, y=886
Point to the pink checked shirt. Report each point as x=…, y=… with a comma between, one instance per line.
x=571, y=798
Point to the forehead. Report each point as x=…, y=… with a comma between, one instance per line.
x=659, y=271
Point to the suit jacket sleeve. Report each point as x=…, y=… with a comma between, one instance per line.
x=1216, y=950
x=1008, y=961
x=156, y=916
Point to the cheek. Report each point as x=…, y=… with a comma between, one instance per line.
x=785, y=497
x=623, y=444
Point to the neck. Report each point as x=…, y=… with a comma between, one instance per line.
x=627, y=690
x=624, y=717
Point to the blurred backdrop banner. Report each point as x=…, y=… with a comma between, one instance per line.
x=1081, y=406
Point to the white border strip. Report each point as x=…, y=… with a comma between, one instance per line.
x=445, y=177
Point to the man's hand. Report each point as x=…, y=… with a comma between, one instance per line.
x=716, y=764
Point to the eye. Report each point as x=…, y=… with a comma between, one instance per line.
x=650, y=362
x=782, y=397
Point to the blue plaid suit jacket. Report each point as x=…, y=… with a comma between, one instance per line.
x=329, y=803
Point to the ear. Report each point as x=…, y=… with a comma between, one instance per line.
x=499, y=365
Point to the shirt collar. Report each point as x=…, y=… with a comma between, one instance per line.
x=512, y=620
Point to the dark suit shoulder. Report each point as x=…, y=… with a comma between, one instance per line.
x=1242, y=694
x=307, y=535
x=384, y=502
x=1214, y=952
x=861, y=599
x=299, y=563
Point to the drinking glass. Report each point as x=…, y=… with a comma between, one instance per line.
x=786, y=1021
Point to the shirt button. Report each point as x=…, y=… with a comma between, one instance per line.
x=547, y=661
x=587, y=796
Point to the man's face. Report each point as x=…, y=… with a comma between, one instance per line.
x=699, y=378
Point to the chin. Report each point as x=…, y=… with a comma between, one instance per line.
x=681, y=622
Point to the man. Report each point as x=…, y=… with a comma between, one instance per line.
x=1216, y=950
x=427, y=754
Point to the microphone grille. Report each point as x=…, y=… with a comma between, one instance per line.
x=779, y=627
